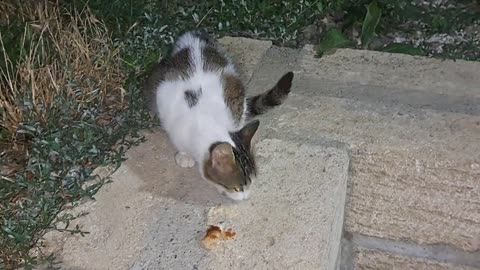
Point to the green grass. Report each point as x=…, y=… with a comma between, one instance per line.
x=59, y=147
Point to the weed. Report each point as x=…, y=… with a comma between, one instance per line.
x=63, y=114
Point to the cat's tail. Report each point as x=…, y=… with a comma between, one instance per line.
x=261, y=103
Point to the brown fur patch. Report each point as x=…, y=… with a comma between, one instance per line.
x=213, y=60
x=172, y=68
x=180, y=65
x=234, y=92
x=157, y=74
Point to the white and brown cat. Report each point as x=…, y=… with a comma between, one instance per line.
x=202, y=105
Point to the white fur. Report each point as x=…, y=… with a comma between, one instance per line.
x=194, y=130
x=237, y=196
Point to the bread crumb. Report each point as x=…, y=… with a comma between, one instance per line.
x=229, y=234
x=215, y=234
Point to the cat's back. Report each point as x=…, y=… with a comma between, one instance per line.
x=205, y=54
x=198, y=77
x=197, y=66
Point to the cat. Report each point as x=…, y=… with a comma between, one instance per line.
x=201, y=102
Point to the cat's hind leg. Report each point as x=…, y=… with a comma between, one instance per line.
x=184, y=160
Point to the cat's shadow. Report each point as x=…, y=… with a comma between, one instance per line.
x=154, y=163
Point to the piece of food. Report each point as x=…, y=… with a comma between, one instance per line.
x=229, y=234
x=215, y=234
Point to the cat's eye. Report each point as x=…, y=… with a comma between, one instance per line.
x=236, y=189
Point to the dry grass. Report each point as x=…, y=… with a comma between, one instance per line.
x=60, y=55
x=56, y=66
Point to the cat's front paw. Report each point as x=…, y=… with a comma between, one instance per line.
x=184, y=160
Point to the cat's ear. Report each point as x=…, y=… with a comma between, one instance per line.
x=222, y=158
x=285, y=83
x=247, y=132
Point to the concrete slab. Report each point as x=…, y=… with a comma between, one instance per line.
x=289, y=222
x=276, y=62
x=395, y=71
x=247, y=53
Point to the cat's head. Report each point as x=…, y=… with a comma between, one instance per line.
x=231, y=167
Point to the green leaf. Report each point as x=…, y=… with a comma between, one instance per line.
x=439, y=23
x=370, y=23
x=333, y=39
x=403, y=48
x=320, y=6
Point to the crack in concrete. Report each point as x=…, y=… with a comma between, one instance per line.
x=438, y=252
x=345, y=259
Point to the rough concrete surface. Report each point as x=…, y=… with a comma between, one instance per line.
x=415, y=146
x=147, y=203
x=400, y=71
x=246, y=53
x=287, y=223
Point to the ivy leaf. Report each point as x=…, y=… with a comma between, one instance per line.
x=402, y=48
x=333, y=39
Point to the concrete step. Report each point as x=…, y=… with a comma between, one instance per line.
x=414, y=142
x=289, y=222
